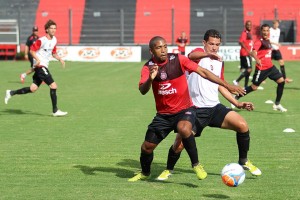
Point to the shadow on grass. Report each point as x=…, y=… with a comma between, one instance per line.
x=216, y=196
x=19, y=112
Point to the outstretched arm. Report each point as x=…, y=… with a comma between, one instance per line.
x=241, y=105
x=145, y=87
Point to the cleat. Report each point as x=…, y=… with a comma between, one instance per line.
x=7, y=96
x=22, y=78
x=235, y=83
x=200, y=172
x=138, y=176
x=164, y=175
x=251, y=168
x=279, y=107
x=59, y=113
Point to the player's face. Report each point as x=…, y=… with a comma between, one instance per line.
x=275, y=25
x=212, y=45
x=51, y=30
x=248, y=26
x=160, y=51
x=265, y=32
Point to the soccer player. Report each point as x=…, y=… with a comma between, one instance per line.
x=42, y=51
x=181, y=42
x=262, y=50
x=29, y=42
x=209, y=110
x=276, y=54
x=166, y=74
x=246, y=44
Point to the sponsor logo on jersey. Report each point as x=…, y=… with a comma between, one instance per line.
x=121, y=53
x=166, y=89
x=172, y=57
x=89, y=53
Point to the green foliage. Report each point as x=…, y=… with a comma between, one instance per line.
x=91, y=153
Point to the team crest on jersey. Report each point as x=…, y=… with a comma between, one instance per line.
x=163, y=75
x=211, y=67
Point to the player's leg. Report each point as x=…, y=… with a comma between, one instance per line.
x=157, y=130
x=243, y=65
x=276, y=76
x=184, y=128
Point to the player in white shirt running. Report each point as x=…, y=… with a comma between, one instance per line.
x=42, y=51
x=210, y=112
x=276, y=54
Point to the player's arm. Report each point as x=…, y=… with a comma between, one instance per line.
x=253, y=53
x=213, y=78
x=26, y=52
x=54, y=54
x=242, y=44
x=241, y=105
x=197, y=55
x=145, y=86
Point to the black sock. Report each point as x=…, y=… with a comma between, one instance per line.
x=242, y=75
x=172, y=158
x=282, y=69
x=24, y=90
x=53, y=100
x=146, y=160
x=191, y=148
x=243, y=142
x=248, y=89
x=247, y=74
x=279, y=92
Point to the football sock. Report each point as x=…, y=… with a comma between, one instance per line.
x=248, y=89
x=191, y=148
x=247, y=74
x=282, y=69
x=243, y=142
x=53, y=99
x=146, y=160
x=242, y=75
x=24, y=90
x=279, y=92
x=172, y=158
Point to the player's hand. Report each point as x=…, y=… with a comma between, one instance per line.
x=258, y=62
x=214, y=56
x=245, y=105
x=237, y=90
x=26, y=57
x=63, y=64
x=153, y=71
x=37, y=63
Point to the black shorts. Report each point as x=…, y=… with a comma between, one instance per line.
x=212, y=117
x=162, y=125
x=246, y=62
x=276, y=55
x=42, y=74
x=260, y=75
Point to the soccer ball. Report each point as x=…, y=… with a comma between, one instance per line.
x=233, y=174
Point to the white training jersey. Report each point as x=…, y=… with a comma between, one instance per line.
x=44, y=48
x=274, y=37
x=203, y=92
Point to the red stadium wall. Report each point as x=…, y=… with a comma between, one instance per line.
x=59, y=12
x=155, y=18
x=257, y=10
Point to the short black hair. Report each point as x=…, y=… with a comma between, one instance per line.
x=264, y=25
x=154, y=40
x=212, y=33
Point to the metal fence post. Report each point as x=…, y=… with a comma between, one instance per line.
x=70, y=26
x=173, y=27
x=121, y=26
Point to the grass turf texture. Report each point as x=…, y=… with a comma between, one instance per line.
x=91, y=153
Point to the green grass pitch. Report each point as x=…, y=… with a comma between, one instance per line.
x=90, y=153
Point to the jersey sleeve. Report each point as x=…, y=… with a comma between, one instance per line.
x=222, y=72
x=144, y=75
x=187, y=64
x=257, y=45
x=196, y=50
x=54, y=50
x=242, y=37
x=36, y=46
